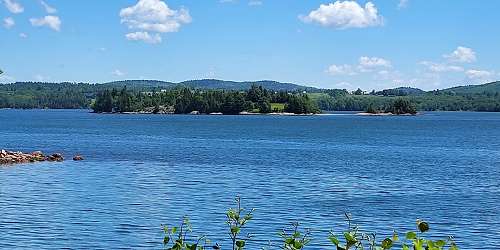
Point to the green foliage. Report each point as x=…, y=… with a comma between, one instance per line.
x=237, y=218
x=295, y=240
x=355, y=239
x=185, y=101
x=179, y=238
x=301, y=104
x=176, y=238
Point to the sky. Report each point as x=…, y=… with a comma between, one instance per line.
x=374, y=44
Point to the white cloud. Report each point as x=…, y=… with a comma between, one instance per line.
x=23, y=35
x=13, y=6
x=49, y=9
x=8, y=22
x=117, y=72
x=144, y=36
x=367, y=64
x=41, y=78
x=255, y=3
x=403, y=4
x=153, y=16
x=462, y=55
x=52, y=22
x=441, y=67
x=344, y=85
x=474, y=74
x=336, y=70
x=345, y=14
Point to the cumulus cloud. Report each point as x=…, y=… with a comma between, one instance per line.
x=118, y=73
x=255, y=3
x=49, y=9
x=144, y=36
x=462, y=55
x=367, y=64
x=8, y=22
x=13, y=6
x=441, y=67
x=336, y=70
x=153, y=16
x=403, y=4
x=23, y=35
x=344, y=15
x=52, y=22
x=474, y=74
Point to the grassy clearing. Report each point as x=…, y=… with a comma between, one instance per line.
x=277, y=107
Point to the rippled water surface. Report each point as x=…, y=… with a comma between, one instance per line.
x=142, y=171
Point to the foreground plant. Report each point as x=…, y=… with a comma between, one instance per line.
x=295, y=240
x=237, y=219
x=179, y=238
x=176, y=238
x=354, y=239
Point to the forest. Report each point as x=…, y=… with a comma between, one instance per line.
x=214, y=98
x=186, y=100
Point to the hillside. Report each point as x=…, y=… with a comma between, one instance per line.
x=492, y=87
x=210, y=84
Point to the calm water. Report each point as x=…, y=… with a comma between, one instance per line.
x=142, y=171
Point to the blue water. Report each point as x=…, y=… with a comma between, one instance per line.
x=142, y=171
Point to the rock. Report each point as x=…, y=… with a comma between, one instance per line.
x=78, y=158
x=55, y=157
x=9, y=157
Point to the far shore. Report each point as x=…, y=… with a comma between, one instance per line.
x=386, y=114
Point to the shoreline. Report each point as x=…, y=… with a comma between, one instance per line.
x=386, y=114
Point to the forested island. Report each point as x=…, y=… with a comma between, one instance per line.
x=185, y=100
x=216, y=96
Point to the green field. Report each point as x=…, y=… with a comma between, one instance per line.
x=278, y=107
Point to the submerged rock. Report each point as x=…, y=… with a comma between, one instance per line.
x=55, y=157
x=78, y=158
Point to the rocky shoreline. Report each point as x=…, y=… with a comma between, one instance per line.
x=11, y=157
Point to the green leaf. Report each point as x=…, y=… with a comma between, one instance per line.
x=298, y=245
x=350, y=238
x=440, y=243
x=166, y=240
x=174, y=230
x=235, y=230
x=423, y=226
x=395, y=236
x=240, y=243
x=405, y=247
x=453, y=246
x=411, y=235
x=387, y=243
x=334, y=240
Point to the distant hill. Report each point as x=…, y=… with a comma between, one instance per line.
x=492, y=87
x=211, y=84
x=401, y=91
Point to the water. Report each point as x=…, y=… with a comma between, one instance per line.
x=142, y=171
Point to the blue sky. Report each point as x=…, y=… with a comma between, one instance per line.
x=331, y=44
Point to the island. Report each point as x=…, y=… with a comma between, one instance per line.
x=400, y=106
x=183, y=100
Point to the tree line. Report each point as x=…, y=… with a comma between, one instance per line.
x=28, y=95
x=184, y=100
